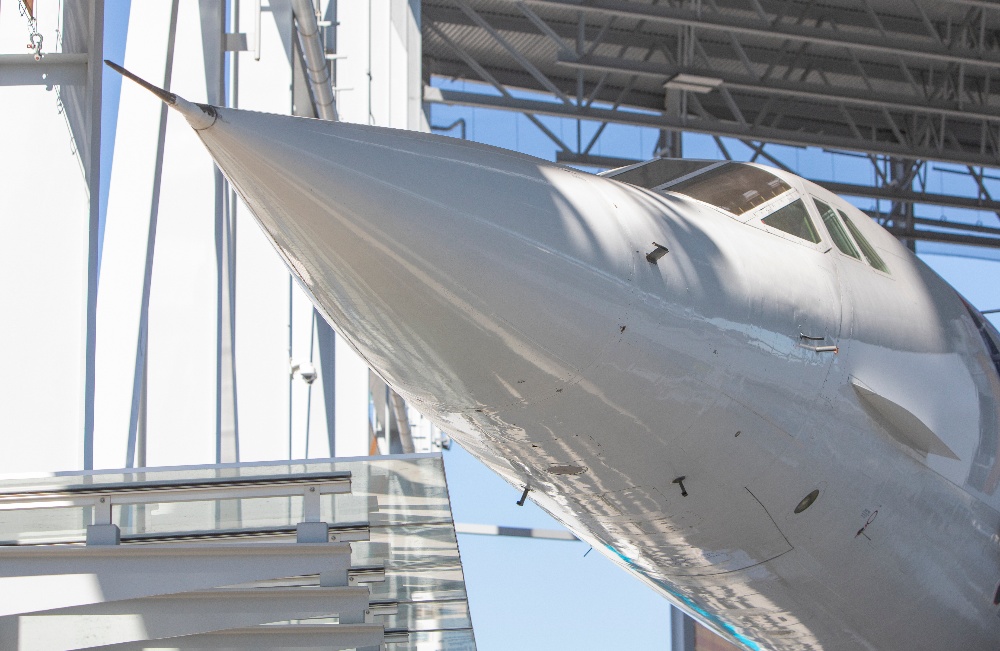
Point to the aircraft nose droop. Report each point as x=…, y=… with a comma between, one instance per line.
x=466, y=275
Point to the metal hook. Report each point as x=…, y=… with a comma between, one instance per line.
x=36, y=44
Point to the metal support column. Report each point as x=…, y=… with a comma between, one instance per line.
x=95, y=70
x=682, y=633
x=901, y=174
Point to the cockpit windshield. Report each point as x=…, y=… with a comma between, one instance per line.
x=655, y=173
x=733, y=187
x=745, y=191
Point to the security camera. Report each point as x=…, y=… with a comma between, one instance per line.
x=305, y=371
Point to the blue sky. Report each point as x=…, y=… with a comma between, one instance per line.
x=529, y=594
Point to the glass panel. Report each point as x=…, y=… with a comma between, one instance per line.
x=460, y=640
x=836, y=229
x=734, y=187
x=794, y=220
x=657, y=172
x=419, y=468
x=867, y=249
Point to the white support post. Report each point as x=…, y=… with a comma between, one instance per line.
x=103, y=531
x=681, y=631
x=311, y=530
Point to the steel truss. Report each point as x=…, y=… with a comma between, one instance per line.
x=902, y=84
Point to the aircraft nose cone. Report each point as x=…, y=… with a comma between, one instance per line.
x=465, y=274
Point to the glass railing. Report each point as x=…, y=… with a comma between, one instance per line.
x=396, y=517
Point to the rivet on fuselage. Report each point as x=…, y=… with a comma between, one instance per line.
x=807, y=501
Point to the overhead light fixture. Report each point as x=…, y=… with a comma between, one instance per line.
x=692, y=83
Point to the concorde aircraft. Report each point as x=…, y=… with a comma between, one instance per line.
x=725, y=378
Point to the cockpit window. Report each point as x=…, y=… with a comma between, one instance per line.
x=733, y=187
x=866, y=249
x=794, y=220
x=655, y=173
x=836, y=229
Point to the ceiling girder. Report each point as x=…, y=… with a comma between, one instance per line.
x=887, y=81
x=786, y=136
x=925, y=49
x=781, y=87
x=721, y=47
x=939, y=236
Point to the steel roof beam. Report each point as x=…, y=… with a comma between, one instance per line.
x=490, y=79
x=666, y=71
x=710, y=127
x=908, y=196
x=985, y=4
x=636, y=38
x=950, y=238
x=801, y=117
x=909, y=95
x=893, y=44
x=520, y=58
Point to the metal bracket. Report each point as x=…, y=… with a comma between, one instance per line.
x=377, y=609
x=821, y=349
x=817, y=349
x=657, y=253
x=236, y=42
x=103, y=534
x=312, y=532
x=358, y=575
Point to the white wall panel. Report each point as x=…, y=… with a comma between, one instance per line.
x=262, y=282
x=182, y=312
x=43, y=271
x=352, y=69
x=381, y=42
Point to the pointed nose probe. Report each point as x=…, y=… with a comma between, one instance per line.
x=199, y=116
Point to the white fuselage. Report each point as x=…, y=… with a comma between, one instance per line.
x=511, y=300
